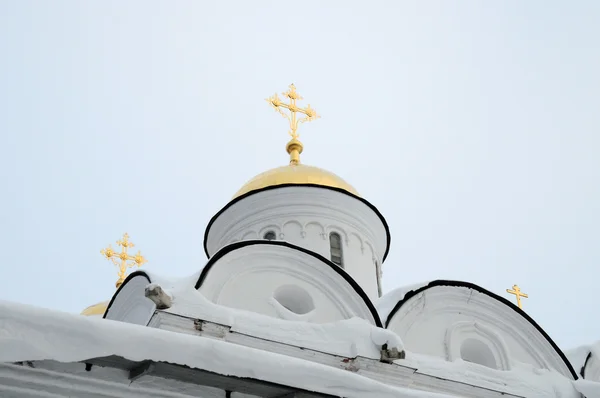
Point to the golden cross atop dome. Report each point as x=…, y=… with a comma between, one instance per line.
x=518, y=293
x=123, y=260
x=294, y=147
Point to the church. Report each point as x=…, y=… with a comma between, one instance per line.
x=289, y=304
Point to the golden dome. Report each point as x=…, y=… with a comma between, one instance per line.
x=96, y=309
x=295, y=174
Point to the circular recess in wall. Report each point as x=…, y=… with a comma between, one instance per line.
x=270, y=235
x=476, y=351
x=295, y=299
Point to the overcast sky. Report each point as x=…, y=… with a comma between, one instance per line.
x=471, y=125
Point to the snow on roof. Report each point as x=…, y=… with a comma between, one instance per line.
x=578, y=356
x=349, y=338
x=31, y=334
x=386, y=303
x=589, y=389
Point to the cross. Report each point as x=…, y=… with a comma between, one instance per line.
x=518, y=293
x=294, y=147
x=123, y=260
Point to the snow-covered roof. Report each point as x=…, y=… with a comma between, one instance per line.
x=347, y=338
x=73, y=338
x=33, y=334
x=586, y=361
x=386, y=303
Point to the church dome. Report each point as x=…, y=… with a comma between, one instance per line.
x=295, y=174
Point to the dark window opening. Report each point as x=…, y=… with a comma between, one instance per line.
x=335, y=245
x=269, y=235
x=378, y=272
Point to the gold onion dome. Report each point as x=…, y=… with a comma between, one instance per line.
x=294, y=173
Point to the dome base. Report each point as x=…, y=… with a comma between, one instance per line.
x=295, y=174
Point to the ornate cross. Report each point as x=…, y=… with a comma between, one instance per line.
x=123, y=260
x=518, y=293
x=294, y=147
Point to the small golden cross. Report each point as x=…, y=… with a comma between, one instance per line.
x=518, y=293
x=294, y=147
x=121, y=259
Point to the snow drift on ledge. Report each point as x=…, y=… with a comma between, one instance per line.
x=72, y=338
x=347, y=338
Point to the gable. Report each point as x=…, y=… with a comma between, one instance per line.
x=459, y=320
x=282, y=280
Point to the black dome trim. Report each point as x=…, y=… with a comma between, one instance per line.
x=504, y=301
x=340, y=190
x=238, y=245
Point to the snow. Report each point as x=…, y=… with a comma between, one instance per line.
x=588, y=388
x=579, y=355
x=522, y=380
x=356, y=337
x=31, y=334
x=380, y=337
x=386, y=303
x=348, y=338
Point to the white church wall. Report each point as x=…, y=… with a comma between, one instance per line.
x=306, y=216
x=130, y=304
x=285, y=283
x=454, y=323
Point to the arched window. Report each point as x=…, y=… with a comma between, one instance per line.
x=269, y=235
x=335, y=245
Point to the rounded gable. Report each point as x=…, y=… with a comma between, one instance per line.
x=279, y=279
x=129, y=303
x=439, y=317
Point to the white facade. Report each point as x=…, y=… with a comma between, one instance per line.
x=306, y=216
x=458, y=321
x=285, y=283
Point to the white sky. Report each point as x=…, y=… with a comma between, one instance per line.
x=471, y=125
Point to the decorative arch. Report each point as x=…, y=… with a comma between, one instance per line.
x=476, y=337
x=317, y=224
x=231, y=266
x=446, y=304
x=293, y=228
x=368, y=245
x=359, y=239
